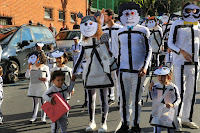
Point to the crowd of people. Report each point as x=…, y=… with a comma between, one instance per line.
x=117, y=57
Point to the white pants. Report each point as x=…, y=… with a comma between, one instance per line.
x=60, y=123
x=75, y=57
x=36, y=106
x=91, y=93
x=187, y=90
x=111, y=90
x=130, y=85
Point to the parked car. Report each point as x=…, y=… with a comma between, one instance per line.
x=64, y=40
x=17, y=42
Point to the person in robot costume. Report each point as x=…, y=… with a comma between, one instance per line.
x=96, y=73
x=184, y=42
x=112, y=29
x=166, y=25
x=134, y=57
x=156, y=40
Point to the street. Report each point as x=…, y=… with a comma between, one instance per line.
x=17, y=111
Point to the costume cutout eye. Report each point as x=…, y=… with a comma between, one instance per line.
x=85, y=24
x=90, y=23
x=187, y=10
x=127, y=14
x=132, y=13
x=195, y=11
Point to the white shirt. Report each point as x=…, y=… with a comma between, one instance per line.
x=1, y=84
x=113, y=41
x=156, y=35
x=141, y=54
x=183, y=41
x=166, y=31
x=76, y=47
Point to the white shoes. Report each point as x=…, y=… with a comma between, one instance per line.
x=103, y=128
x=190, y=124
x=91, y=127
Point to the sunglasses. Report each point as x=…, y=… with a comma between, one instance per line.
x=195, y=11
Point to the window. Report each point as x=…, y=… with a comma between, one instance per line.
x=48, y=13
x=73, y=17
x=26, y=35
x=5, y=21
x=38, y=33
x=61, y=15
x=16, y=39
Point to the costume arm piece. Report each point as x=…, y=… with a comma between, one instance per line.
x=148, y=51
x=177, y=95
x=46, y=97
x=171, y=44
x=79, y=60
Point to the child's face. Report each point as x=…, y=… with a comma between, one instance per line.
x=60, y=60
x=163, y=79
x=59, y=81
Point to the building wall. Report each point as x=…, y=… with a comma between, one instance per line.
x=22, y=11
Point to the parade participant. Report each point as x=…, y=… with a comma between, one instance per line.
x=184, y=42
x=156, y=40
x=167, y=54
x=52, y=29
x=39, y=46
x=76, y=47
x=174, y=17
x=58, y=79
x=1, y=94
x=96, y=73
x=51, y=61
x=61, y=60
x=112, y=29
x=134, y=57
x=39, y=76
x=172, y=97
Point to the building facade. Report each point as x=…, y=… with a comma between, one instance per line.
x=58, y=12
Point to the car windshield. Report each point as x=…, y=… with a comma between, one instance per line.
x=67, y=35
x=6, y=32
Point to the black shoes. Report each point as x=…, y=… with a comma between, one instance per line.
x=84, y=105
x=124, y=128
x=136, y=129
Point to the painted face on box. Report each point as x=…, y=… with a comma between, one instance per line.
x=165, y=19
x=151, y=24
x=88, y=28
x=130, y=17
x=191, y=13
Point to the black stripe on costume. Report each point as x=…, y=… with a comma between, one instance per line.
x=193, y=99
x=56, y=126
x=110, y=28
x=90, y=104
x=123, y=99
x=76, y=66
x=129, y=50
x=175, y=95
x=137, y=100
x=192, y=30
x=182, y=90
x=119, y=52
x=102, y=106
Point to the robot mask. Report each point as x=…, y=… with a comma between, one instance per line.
x=191, y=13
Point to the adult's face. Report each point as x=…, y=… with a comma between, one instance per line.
x=191, y=13
x=130, y=17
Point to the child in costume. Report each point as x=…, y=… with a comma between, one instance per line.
x=96, y=73
x=134, y=57
x=51, y=61
x=76, y=47
x=58, y=80
x=39, y=76
x=156, y=40
x=184, y=42
x=171, y=99
x=61, y=60
x=1, y=94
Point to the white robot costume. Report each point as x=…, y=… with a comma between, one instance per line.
x=134, y=56
x=156, y=40
x=114, y=49
x=1, y=99
x=96, y=73
x=185, y=35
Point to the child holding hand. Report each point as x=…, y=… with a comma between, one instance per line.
x=157, y=90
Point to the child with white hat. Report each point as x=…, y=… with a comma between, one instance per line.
x=76, y=47
x=157, y=91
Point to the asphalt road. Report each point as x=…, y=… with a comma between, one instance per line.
x=17, y=110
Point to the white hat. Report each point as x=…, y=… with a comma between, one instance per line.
x=40, y=44
x=76, y=37
x=58, y=53
x=162, y=71
x=32, y=59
